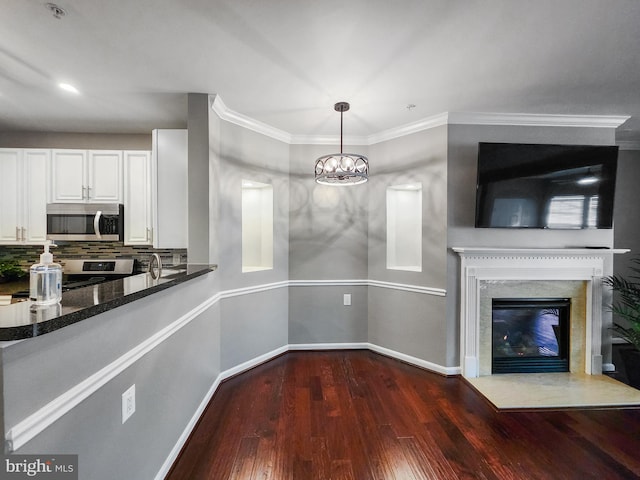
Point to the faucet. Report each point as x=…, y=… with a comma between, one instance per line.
x=155, y=266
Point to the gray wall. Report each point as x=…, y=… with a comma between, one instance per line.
x=328, y=231
x=203, y=135
x=408, y=322
x=627, y=201
x=257, y=323
x=248, y=155
x=96, y=141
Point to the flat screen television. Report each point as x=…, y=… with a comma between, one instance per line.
x=545, y=186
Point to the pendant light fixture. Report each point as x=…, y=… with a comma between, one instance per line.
x=342, y=168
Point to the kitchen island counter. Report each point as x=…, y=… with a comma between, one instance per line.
x=25, y=320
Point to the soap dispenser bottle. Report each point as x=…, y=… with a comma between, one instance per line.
x=45, y=279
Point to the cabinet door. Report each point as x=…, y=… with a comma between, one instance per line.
x=169, y=179
x=105, y=176
x=68, y=176
x=9, y=195
x=34, y=205
x=137, y=198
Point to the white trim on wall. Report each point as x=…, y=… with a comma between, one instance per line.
x=438, y=120
x=418, y=362
x=249, y=123
x=369, y=283
x=536, y=120
x=440, y=292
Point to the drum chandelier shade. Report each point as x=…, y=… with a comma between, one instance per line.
x=342, y=168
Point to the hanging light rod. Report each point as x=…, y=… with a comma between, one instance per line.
x=342, y=168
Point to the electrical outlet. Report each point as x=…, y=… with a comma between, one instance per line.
x=128, y=403
x=176, y=259
x=346, y=299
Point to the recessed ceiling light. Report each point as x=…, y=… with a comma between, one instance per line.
x=68, y=88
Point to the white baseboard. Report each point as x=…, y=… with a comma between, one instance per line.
x=418, y=362
x=328, y=346
x=254, y=362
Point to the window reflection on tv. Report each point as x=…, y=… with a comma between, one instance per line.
x=545, y=186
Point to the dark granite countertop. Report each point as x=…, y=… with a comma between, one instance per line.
x=25, y=320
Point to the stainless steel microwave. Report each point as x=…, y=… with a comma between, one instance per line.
x=85, y=221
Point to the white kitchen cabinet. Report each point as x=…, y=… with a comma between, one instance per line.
x=9, y=202
x=86, y=176
x=23, y=197
x=169, y=188
x=138, y=224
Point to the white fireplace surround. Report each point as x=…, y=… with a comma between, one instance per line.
x=480, y=264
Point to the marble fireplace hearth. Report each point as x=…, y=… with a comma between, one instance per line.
x=488, y=273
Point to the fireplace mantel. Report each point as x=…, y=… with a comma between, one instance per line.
x=482, y=264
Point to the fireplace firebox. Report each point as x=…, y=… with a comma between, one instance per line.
x=530, y=335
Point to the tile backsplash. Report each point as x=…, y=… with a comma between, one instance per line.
x=25, y=256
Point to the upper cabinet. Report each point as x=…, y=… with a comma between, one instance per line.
x=138, y=225
x=155, y=192
x=89, y=176
x=169, y=187
x=23, y=197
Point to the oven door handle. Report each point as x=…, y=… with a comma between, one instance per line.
x=96, y=224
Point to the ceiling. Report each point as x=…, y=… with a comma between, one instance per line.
x=286, y=62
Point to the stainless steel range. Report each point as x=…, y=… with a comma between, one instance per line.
x=84, y=272
x=80, y=273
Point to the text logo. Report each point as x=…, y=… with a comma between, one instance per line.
x=49, y=467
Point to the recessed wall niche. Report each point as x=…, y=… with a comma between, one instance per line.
x=257, y=226
x=404, y=227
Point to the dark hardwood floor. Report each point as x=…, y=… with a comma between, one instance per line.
x=359, y=415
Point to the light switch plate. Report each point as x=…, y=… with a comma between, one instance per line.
x=347, y=299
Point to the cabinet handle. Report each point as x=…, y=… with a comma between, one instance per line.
x=83, y=192
x=88, y=193
x=24, y=234
x=17, y=234
x=150, y=235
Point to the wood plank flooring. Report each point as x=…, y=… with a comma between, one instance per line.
x=358, y=415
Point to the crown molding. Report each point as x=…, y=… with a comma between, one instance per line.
x=414, y=127
x=329, y=140
x=446, y=118
x=534, y=119
x=249, y=123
